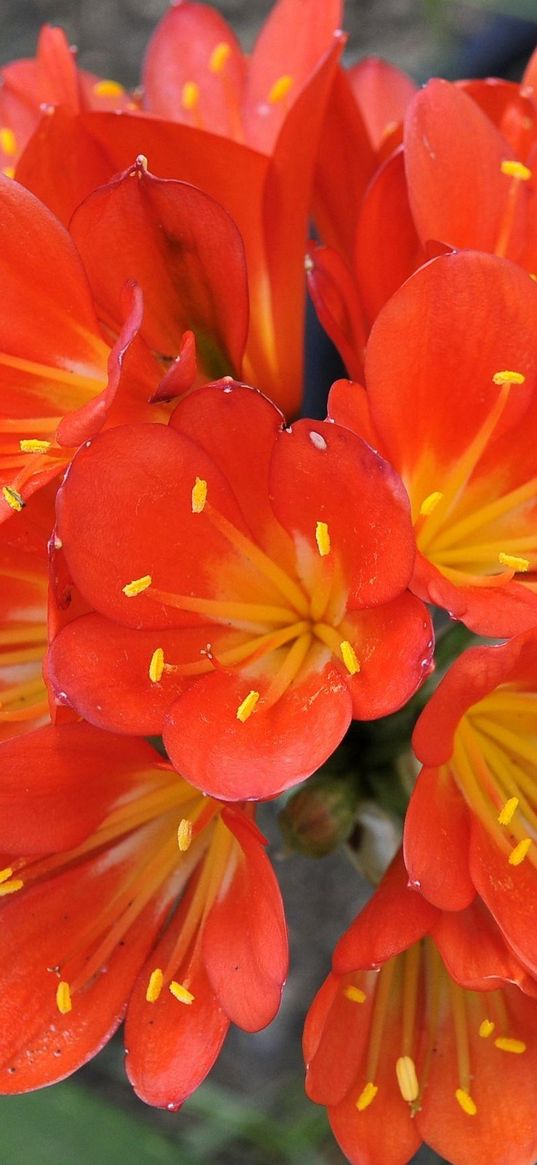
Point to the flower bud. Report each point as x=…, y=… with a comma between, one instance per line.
x=320, y=816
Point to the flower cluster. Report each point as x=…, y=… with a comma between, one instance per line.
x=207, y=596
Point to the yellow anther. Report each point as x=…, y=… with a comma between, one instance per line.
x=355, y=994
x=468, y=1105
x=245, y=709
x=154, y=987
x=405, y=1070
x=506, y=1044
x=486, y=1028
x=514, y=562
x=106, y=88
x=181, y=993
x=219, y=56
x=518, y=854
x=199, y=495
x=63, y=997
x=516, y=170
x=322, y=538
x=508, y=377
x=34, y=446
x=280, y=89
x=137, y=586
x=184, y=834
x=10, y=886
x=190, y=95
x=366, y=1096
x=5, y=874
x=507, y=812
x=349, y=657
x=13, y=498
x=156, y=666
x=8, y=142
x=430, y=503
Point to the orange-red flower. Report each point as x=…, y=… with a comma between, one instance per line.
x=471, y=823
x=125, y=891
x=244, y=603
x=451, y=375
x=421, y=1032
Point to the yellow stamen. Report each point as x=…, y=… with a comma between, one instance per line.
x=34, y=446
x=349, y=657
x=513, y=561
x=355, y=994
x=13, y=498
x=179, y=992
x=199, y=495
x=63, y=998
x=505, y=1044
x=8, y=141
x=507, y=377
x=156, y=666
x=154, y=987
x=405, y=1070
x=9, y=887
x=137, y=586
x=430, y=503
x=219, y=56
x=280, y=89
x=106, y=88
x=515, y=169
x=322, y=537
x=190, y=95
x=465, y=1100
x=506, y=814
x=517, y=855
x=486, y=1028
x=366, y=1096
x=184, y=834
x=246, y=708
x=5, y=874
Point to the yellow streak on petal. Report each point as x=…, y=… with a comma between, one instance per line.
x=405, y=1070
x=366, y=1096
x=219, y=56
x=9, y=171
x=355, y=994
x=520, y=851
x=63, y=998
x=156, y=666
x=10, y=887
x=199, y=495
x=137, y=586
x=468, y=1105
x=515, y=169
x=13, y=498
x=154, y=987
x=486, y=1028
x=33, y=445
x=430, y=503
x=181, y=993
x=280, y=89
x=349, y=657
x=184, y=834
x=190, y=95
x=508, y=377
x=106, y=88
x=8, y=141
x=506, y=1044
x=513, y=561
x=6, y=873
x=507, y=812
x=322, y=538
x=248, y=704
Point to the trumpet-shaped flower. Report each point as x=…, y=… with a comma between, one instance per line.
x=421, y=1033
x=453, y=407
x=139, y=897
x=248, y=585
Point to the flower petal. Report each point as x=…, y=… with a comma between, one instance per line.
x=394, y=645
x=437, y=834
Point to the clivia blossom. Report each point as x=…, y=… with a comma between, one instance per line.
x=471, y=822
x=425, y=1030
x=454, y=409
x=248, y=589
x=136, y=898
